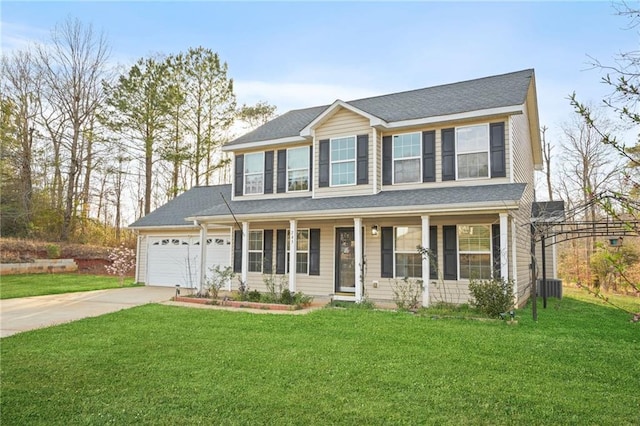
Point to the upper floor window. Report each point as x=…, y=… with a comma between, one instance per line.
x=407, y=158
x=298, y=169
x=472, y=151
x=408, y=261
x=474, y=251
x=254, y=173
x=343, y=161
x=255, y=251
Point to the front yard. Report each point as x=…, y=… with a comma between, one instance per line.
x=25, y=285
x=171, y=365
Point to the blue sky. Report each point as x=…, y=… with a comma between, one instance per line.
x=295, y=54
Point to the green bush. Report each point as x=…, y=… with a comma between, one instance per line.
x=253, y=296
x=53, y=251
x=492, y=297
x=286, y=297
x=407, y=293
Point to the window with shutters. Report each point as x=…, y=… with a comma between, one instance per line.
x=407, y=157
x=298, y=169
x=472, y=151
x=254, y=173
x=343, y=161
x=474, y=251
x=255, y=251
x=302, y=251
x=408, y=261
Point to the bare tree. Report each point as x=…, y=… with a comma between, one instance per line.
x=546, y=155
x=74, y=65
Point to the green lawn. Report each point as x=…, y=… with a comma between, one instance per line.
x=24, y=285
x=160, y=364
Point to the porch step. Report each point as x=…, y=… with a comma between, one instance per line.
x=348, y=297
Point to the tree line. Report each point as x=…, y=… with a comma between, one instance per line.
x=82, y=143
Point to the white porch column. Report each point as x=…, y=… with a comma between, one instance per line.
x=203, y=255
x=293, y=245
x=245, y=253
x=504, y=246
x=357, y=234
x=426, y=264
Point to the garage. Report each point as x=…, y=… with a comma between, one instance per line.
x=175, y=259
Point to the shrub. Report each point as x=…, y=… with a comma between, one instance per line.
x=491, y=297
x=407, y=293
x=219, y=278
x=301, y=300
x=286, y=298
x=274, y=285
x=53, y=251
x=253, y=296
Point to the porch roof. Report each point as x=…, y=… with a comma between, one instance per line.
x=506, y=196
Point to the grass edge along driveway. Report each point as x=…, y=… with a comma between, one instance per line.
x=28, y=285
x=160, y=364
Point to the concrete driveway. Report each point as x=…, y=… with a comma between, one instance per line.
x=28, y=313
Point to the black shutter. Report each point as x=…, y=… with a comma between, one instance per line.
x=237, y=251
x=433, y=246
x=281, y=251
x=239, y=180
x=387, y=160
x=495, y=248
x=310, y=168
x=323, y=163
x=496, y=143
x=267, y=261
x=450, y=253
x=386, y=246
x=282, y=170
x=363, y=159
x=268, y=172
x=448, y=154
x=429, y=156
x=314, y=252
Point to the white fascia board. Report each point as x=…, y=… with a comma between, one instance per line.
x=514, y=109
x=171, y=228
x=375, y=121
x=260, y=144
x=484, y=207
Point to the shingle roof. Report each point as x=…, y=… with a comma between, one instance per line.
x=472, y=95
x=186, y=204
x=468, y=195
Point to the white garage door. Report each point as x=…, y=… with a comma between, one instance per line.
x=176, y=260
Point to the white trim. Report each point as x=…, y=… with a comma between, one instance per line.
x=504, y=246
x=375, y=160
x=260, y=144
x=393, y=159
x=374, y=121
x=511, y=152
x=359, y=249
x=426, y=273
x=293, y=246
x=514, y=109
x=514, y=258
x=355, y=161
x=245, y=253
x=203, y=255
x=288, y=250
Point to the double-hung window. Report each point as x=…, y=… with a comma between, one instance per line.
x=254, y=173
x=302, y=251
x=474, y=251
x=343, y=161
x=298, y=169
x=407, y=158
x=255, y=251
x=408, y=261
x=472, y=151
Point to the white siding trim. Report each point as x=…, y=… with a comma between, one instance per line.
x=504, y=246
x=425, y=261
x=357, y=231
x=260, y=144
x=293, y=250
x=245, y=252
x=515, y=109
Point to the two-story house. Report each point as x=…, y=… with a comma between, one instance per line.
x=337, y=198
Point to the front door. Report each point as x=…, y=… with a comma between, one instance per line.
x=345, y=261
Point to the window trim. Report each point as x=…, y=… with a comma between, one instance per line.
x=354, y=161
x=487, y=151
x=396, y=252
x=261, y=251
x=489, y=252
x=287, y=252
x=245, y=174
x=287, y=170
x=393, y=159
